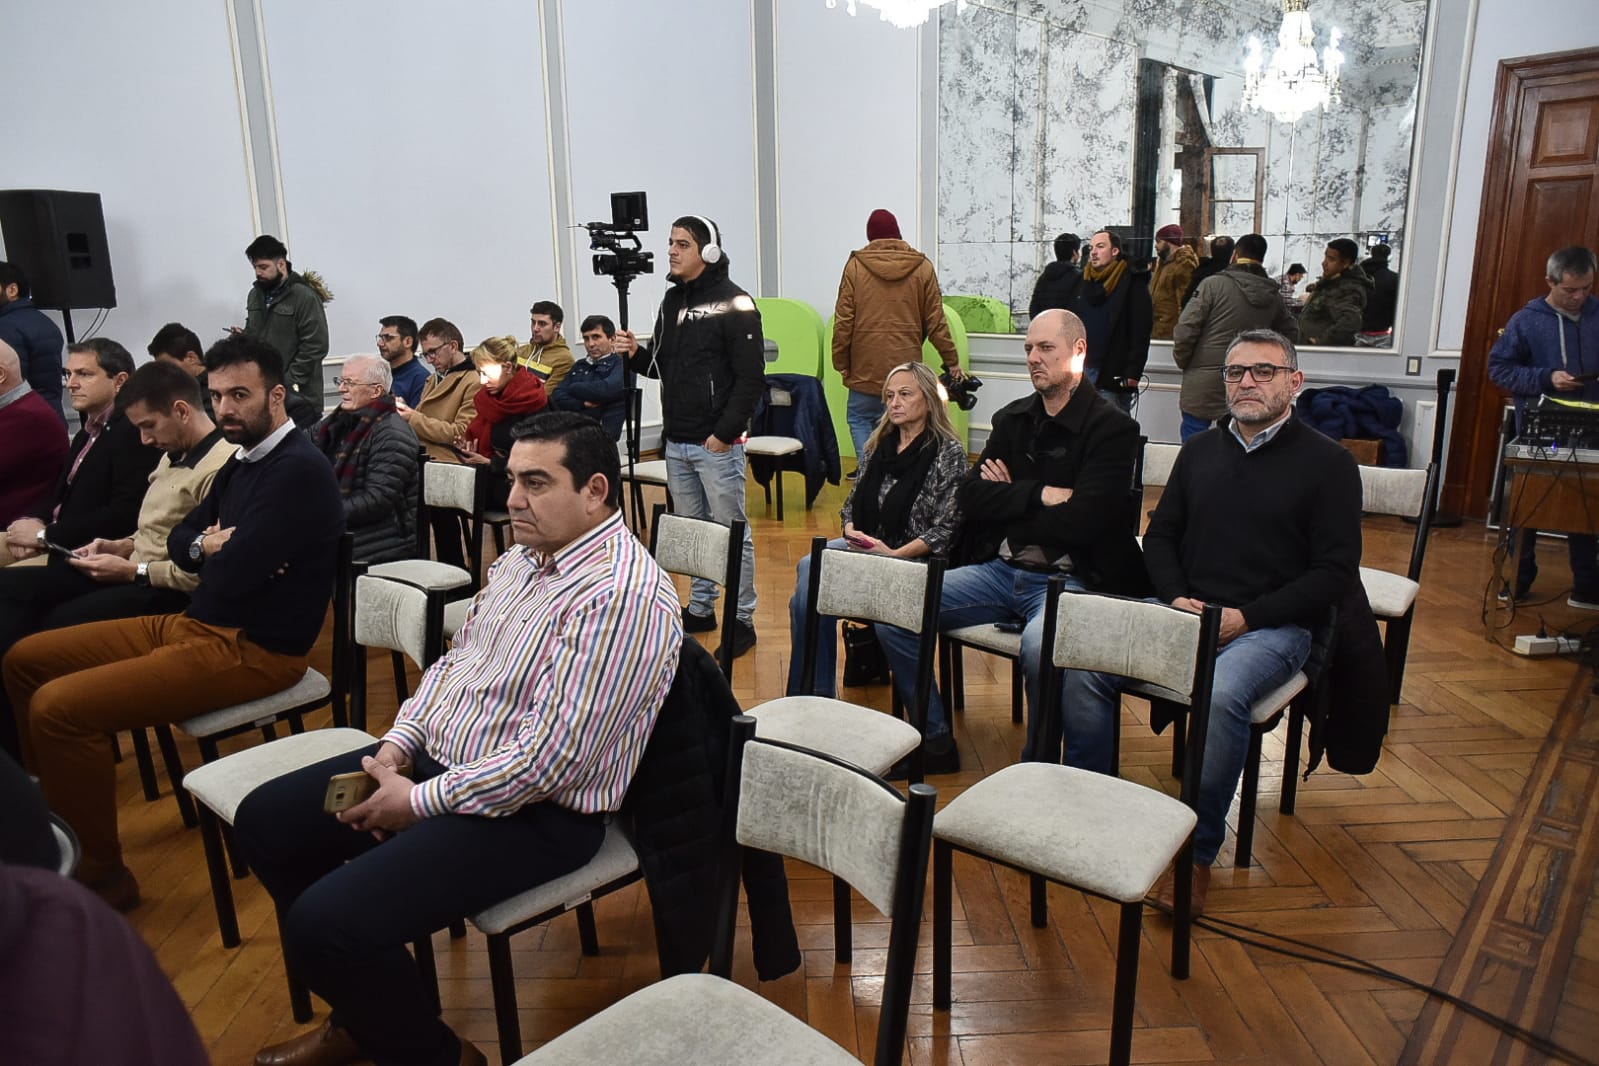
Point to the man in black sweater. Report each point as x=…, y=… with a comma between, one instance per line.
x=1049, y=495
x=1261, y=516
x=264, y=543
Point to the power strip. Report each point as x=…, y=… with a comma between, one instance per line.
x=1532, y=645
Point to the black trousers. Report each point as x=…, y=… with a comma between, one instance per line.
x=449, y=537
x=350, y=905
x=54, y=596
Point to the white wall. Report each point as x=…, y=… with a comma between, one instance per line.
x=137, y=103
x=847, y=132
x=1504, y=30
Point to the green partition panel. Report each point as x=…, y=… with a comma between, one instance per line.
x=796, y=328
x=983, y=314
x=838, y=395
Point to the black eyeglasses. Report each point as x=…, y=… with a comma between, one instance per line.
x=431, y=352
x=1261, y=372
x=340, y=383
x=388, y=336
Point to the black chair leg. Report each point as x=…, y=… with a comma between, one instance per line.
x=1249, y=796
x=1039, y=890
x=141, y=755
x=843, y=927
x=1179, y=744
x=1182, y=910
x=1017, y=686
x=588, y=937
x=1396, y=648
x=401, y=688
x=943, y=920
x=216, y=866
x=502, y=978
x=1121, y=1021
x=423, y=950
x=458, y=929
x=169, y=755
x=1290, y=790
x=778, y=477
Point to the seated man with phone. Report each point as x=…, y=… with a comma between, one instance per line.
x=497, y=775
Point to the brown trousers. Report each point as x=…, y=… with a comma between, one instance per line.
x=70, y=687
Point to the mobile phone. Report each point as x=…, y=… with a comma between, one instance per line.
x=860, y=541
x=1010, y=626
x=347, y=790
x=56, y=549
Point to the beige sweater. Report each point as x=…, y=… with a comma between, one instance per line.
x=175, y=490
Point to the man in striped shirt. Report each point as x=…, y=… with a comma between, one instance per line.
x=496, y=776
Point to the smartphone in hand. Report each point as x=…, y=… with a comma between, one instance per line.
x=860, y=540
x=348, y=790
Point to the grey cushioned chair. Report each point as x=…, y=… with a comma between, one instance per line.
x=1097, y=833
x=811, y=807
x=1411, y=494
x=445, y=487
x=702, y=548
x=637, y=473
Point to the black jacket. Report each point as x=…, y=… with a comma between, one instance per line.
x=709, y=355
x=104, y=499
x=675, y=802
x=381, y=506
x=601, y=382
x=1090, y=448
x=806, y=420
x=1121, y=356
x=1055, y=288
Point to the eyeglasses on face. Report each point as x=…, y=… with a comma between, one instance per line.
x=386, y=337
x=350, y=383
x=433, y=351
x=1261, y=372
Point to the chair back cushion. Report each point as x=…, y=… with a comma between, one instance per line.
x=829, y=815
x=1144, y=641
x=872, y=587
x=691, y=546
x=1158, y=461
x=1384, y=490
x=449, y=485
x=392, y=615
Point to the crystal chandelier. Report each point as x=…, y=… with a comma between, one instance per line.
x=1292, y=83
x=904, y=14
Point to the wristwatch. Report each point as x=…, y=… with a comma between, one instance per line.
x=43, y=541
x=141, y=574
x=197, y=548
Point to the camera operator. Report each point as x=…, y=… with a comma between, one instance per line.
x=888, y=304
x=707, y=350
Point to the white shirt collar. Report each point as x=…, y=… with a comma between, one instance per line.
x=1263, y=437
x=273, y=439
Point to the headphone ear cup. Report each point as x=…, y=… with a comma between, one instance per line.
x=711, y=253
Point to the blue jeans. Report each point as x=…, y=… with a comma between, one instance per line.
x=1123, y=400
x=1251, y=665
x=825, y=681
x=863, y=413
x=1192, y=425
x=1581, y=548
x=707, y=484
x=993, y=591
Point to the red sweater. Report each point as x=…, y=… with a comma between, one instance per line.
x=33, y=449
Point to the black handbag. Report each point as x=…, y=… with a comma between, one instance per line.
x=864, y=661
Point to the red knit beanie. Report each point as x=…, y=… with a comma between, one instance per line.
x=882, y=224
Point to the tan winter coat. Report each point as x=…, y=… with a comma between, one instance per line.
x=888, y=304
x=446, y=408
x=1166, y=290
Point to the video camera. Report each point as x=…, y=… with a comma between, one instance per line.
x=618, y=251
x=962, y=393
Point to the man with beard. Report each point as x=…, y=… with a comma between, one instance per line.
x=1112, y=300
x=1176, y=266
x=1261, y=516
x=374, y=457
x=284, y=309
x=548, y=354
x=1337, y=303
x=263, y=543
x=397, y=341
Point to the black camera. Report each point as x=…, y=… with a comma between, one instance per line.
x=618, y=250
x=962, y=393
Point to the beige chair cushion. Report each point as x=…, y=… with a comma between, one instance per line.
x=308, y=693
x=454, y=615
x=223, y=784
x=989, y=638
x=423, y=573
x=1391, y=595
x=1158, y=461
x=1278, y=698
x=651, y=472
x=692, y=546
x=449, y=485
x=1099, y=833
x=615, y=860
x=772, y=446
x=1385, y=490
x=870, y=739
x=692, y=1019
x=392, y=615
x=878, y=588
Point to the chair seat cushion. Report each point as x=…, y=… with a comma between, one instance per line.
x=693, y=1018
x=772, y=446
x=615, y=860
x=454, y=615
x=223, y=784
x=1095, y=832
x=1391, y=594
x=859, y=735
x=989, y=637
x=652, y=472
x=423, y=573
x=1274, y=701
x=308, y=693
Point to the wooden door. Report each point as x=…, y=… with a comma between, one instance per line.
x=1541, y=194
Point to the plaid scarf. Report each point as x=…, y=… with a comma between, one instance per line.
x=343, y=434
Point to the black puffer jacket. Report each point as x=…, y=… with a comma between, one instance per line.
x=709, y=355
x=380, y=509
x=1055, y=289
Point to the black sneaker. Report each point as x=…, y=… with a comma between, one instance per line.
x=853, y=475
x=698, y=623
x=939, y=756
x=743, y=639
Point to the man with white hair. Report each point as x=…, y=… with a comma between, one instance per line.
x=374, y=453
x=33, y=446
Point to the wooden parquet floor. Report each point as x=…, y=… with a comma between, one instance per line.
x=1388, y=867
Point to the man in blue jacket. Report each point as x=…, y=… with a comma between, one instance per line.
x=595, y=385
x=29, y=330
x=1551, y=348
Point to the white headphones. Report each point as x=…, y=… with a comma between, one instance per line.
x=712, y=252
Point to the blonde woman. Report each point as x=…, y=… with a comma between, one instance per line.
x=509, y=393
x=903, y=504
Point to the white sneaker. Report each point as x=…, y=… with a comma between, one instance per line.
x=1582, y=603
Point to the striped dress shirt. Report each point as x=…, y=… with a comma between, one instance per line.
x=553, y=684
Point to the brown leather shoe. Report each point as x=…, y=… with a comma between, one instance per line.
x=471, y=1056
x=1165, y=893
x=322, y=1046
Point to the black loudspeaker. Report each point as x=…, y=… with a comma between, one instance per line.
x=58, y=239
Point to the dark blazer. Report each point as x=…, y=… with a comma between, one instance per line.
x=103, y=500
